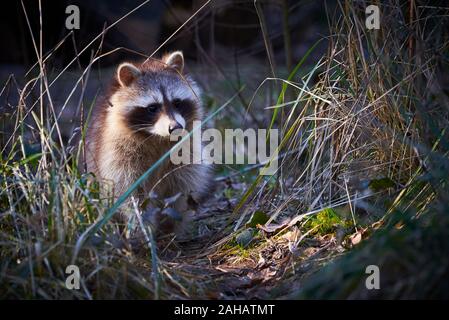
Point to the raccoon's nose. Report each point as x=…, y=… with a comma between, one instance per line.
x=173, y=126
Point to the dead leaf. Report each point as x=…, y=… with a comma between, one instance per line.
x=356, y=238
x=261, y=261
x=273, y=228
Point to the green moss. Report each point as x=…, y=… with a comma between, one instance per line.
x=236, y=249
x=326, y=221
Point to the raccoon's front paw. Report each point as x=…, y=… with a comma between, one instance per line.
x=162, y=221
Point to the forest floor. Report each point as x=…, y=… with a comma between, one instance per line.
x=257, y=263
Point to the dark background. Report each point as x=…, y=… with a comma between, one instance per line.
x=223, y=30
x=227, y=44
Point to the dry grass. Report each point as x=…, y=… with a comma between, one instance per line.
x=363, y=158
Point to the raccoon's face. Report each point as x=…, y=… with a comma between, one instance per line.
x=156, y=99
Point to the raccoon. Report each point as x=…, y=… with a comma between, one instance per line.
x=131, y=126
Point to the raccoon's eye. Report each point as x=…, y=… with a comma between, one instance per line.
x=177, y=103
x=153, y=106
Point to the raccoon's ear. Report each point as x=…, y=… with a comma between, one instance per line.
x=127, y=73
x=175, y=60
